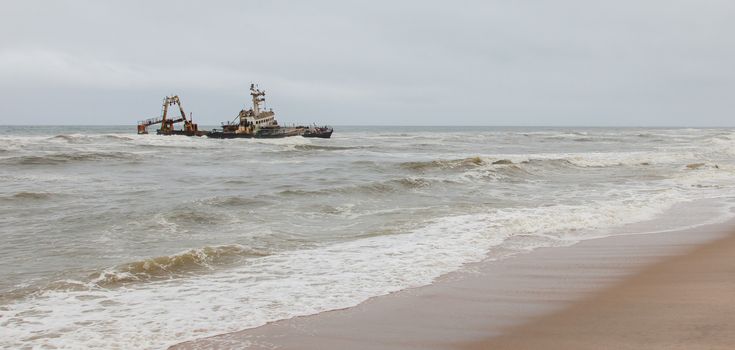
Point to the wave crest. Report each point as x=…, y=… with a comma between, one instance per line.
x=382, y=187
x=170, y=266
x=235, y=201
x=76, y=138
x=444, y=164
x=309, y=147
x=699, y=166
x=67, y=157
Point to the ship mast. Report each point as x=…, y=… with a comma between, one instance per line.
x=258, y=98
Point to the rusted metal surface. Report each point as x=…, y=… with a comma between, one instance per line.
x=167, y=124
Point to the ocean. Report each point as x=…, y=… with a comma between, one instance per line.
x=115, y=240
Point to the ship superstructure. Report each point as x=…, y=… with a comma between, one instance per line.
x=249, y=122
x=256, y=122
x=257, y=115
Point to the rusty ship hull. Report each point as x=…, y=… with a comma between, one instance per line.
x=275, y=133
x=322, y=132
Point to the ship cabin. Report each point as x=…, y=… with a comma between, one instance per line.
x=249, y=121
x=263, y=119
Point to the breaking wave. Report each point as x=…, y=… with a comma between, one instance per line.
x=75, y=138
x=487, y=168
x=65, y=157
x=118, y=137
x=366, y=188
x=309, y=147
x=69, y=138
x=188, y=262
x=234, y=201
x=551, y=161
x=523, y=167
x=696, y=166
x=394, y=185
x=463, y=163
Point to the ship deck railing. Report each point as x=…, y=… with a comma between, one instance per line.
x=150, y=121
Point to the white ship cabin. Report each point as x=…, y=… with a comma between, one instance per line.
x=263, y=119
x=257, y=117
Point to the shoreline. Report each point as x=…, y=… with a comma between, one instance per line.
x=478, y=302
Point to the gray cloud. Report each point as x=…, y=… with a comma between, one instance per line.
x=368, y=62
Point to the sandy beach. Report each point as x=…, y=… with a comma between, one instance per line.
x=657, y=290
x=684, y=302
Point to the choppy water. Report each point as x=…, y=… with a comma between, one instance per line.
x=115, y=240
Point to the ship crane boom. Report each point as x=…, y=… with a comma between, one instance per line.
x=167, y=124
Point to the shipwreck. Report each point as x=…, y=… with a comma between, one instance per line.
x=255, y=122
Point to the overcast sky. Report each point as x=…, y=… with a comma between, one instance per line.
x=562, y=62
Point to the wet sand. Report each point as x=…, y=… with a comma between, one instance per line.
x=685, y=302
x=528, y=301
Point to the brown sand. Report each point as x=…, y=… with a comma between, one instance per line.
x=684, y=302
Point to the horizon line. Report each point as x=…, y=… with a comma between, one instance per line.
x=421, y=125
